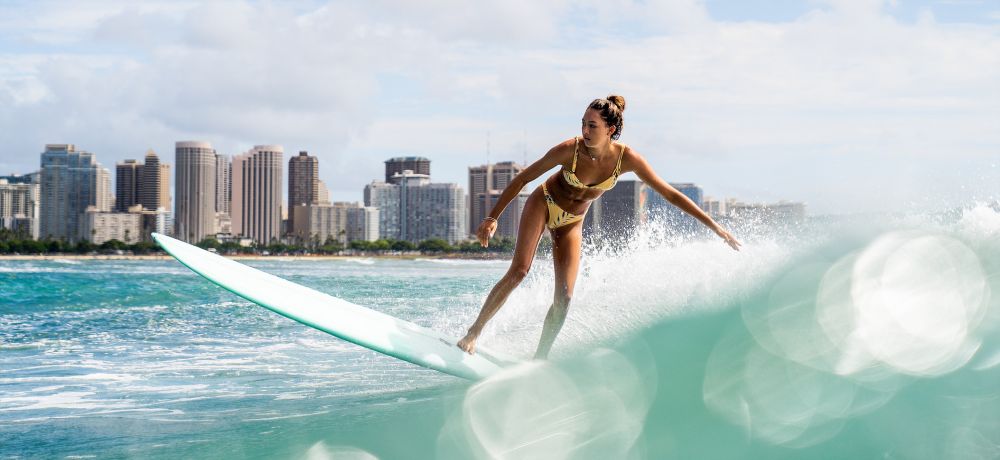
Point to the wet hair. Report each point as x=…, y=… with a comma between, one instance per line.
x=611, y=109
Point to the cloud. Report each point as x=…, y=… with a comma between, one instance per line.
x=355, y=82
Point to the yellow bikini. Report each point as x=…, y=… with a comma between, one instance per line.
x=559, y=217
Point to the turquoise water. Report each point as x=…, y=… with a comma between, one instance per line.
x=845, y=339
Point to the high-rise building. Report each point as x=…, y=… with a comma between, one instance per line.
x=194, y=218
x=324, y=193
x=661, y=210
x=154, y=185
x=19, y=207
x=417, y=209
x=223, y=194
x=418, y=165
x=160, y=221
x=30, y=178
x=71, y=181
x=223, y=184
x=385, y=197
x=147, y=184
x=303, y=183
x=127, y=180
x=257, y=192
x=341, y=221
x=714, y=207
x=618, y=212
x=362, y=223
x=486, y=182
x=434, y=211
x=508, y=222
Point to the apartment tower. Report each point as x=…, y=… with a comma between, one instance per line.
x=194, y=217
x=71, y=181
x=257, y=191
x=486, y=183
x=417, y=165
x=154, y=183
x=127, y=176
x=303, y=184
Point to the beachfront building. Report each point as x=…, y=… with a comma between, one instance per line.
x=507, y=224
x=618, y=212
x=257, y=192
x=223, y=195
x=157, y=220
x=303, y=183
x=19, y=198
x=340, y=221
x=412, y=208
x=396, y=166
x=154, y=183
x=662, y=211
x=434, y=211
x=223, y=184
x=99, y=226
x=486, y=184
x=385, y=197
x=714, y=207
x=71, y=181
x=194, y=217
x=127, y=174
x=146, y=184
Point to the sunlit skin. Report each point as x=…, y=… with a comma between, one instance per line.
x=593, y=166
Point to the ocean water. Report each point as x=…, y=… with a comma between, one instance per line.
x=843, y=338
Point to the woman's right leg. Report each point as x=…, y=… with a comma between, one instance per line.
x=529, y=232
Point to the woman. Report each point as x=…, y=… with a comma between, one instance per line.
x=560, y=204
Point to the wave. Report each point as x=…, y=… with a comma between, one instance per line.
x=851, y=346
x=844, y=339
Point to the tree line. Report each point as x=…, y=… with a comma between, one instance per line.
x=14, y=243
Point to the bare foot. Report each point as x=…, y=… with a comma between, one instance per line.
x=468, y=343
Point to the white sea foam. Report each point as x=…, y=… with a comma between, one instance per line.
x=360, y=261
x=620, y=292
x=465, y=262
x=66, y=261
x=65, y=400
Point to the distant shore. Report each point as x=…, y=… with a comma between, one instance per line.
x=408, y=256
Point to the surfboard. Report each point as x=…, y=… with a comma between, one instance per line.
x=356, y=324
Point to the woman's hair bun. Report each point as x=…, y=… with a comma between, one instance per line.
x=618, y=101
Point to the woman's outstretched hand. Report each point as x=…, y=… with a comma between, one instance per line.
x=468, y=343
x=728, y=237
x=486, y=230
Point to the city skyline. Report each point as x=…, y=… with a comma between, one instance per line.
x=358, y=196
x=407, y=206
x=830, y=102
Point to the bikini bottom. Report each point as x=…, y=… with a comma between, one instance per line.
x=557, y=216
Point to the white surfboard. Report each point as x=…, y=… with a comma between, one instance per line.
x=353, y=323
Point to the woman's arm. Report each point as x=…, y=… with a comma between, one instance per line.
x=638, y=164
x=554, y=157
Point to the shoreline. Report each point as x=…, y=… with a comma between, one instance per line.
x=52, y=257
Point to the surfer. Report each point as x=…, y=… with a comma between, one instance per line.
x=560, y=205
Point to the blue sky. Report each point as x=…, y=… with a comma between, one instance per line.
x=847, y=105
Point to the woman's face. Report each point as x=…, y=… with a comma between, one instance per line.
x=595, y=131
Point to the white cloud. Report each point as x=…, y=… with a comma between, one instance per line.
x=355, y=82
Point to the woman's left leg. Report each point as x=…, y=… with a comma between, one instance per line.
x=566, y=243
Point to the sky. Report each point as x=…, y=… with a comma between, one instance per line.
x=846, y=105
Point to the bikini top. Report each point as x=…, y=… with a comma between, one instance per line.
x=607, y=184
